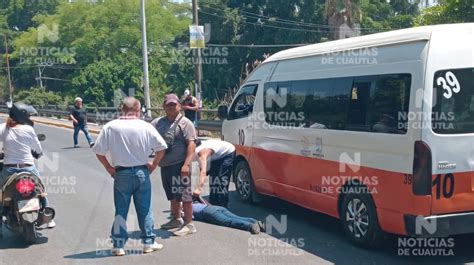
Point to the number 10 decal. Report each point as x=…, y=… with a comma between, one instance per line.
x=444, y=185
x=241, y=137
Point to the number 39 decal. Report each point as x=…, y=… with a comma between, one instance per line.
x=449, y=83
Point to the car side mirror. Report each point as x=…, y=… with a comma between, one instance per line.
x=41, y=137
x=222, y=112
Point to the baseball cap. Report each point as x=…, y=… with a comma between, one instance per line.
x=78, y=99
x=171, y=98
x=186, y=92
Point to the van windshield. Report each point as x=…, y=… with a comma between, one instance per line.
x=453, y=101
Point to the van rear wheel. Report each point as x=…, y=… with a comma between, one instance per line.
x=359, y=218
x=244, y=182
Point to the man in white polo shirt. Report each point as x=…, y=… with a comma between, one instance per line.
x=130, y=141
x=220, y=155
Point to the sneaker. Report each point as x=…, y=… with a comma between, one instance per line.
x=174, y=223
x=118, y=252
x=76, y=146
x=91, y=144
x=152, y=247
x=186, y=230
x=255, y=228
x=263, y=227
x=51, y=224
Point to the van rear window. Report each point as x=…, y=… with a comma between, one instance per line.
x=453, y=101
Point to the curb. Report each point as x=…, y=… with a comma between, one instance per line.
x=67, y=126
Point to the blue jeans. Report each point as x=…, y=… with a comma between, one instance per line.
x=83, y=128
x=8, y=171
x=218, y=215
x=132, y=182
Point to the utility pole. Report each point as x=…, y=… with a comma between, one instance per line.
x=146, y=82
x=10, y=88
x=198, y=66
x=40, y=77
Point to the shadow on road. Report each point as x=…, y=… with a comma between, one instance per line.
x=12, y=240
x=323, y=236
x=135, y=248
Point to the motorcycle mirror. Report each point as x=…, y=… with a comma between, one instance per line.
x=41, y=137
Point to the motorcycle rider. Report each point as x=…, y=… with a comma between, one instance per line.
x=21, y=146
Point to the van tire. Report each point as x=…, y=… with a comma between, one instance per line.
x=358, y=209
x=244, y=182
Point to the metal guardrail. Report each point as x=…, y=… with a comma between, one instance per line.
x=105, y=114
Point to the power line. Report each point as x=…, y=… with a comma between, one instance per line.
x=273, y=19
x=258, y=45
x=280, y=20
x=268, y=26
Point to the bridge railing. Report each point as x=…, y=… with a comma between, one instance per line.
x=102, y=115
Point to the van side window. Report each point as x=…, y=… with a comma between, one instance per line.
x=389, y=104
x=377, y=103
x=358, y=106
x=279, y=104
x=243, y=103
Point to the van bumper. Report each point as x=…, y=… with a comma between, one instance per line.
x=439, y=225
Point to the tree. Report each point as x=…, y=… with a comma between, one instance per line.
x=447, y=11
x=340, y=12
x=98, y=47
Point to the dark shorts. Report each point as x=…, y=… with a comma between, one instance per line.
x=175, y=186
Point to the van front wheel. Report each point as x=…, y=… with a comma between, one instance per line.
x=244, y=182
x=359, y=220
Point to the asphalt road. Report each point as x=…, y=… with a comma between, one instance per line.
x=81, y=192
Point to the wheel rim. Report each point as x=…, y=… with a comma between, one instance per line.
x=357, y=218
x=243, y=182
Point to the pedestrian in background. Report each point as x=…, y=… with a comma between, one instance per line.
x=130, y=140
x=79, y=120
x=190, y=106
x=180, y=136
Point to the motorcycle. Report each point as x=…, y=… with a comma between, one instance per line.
x=22, y=211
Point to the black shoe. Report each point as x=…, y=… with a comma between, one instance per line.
x=262, y=226
x=255, y=228
x=91, y=144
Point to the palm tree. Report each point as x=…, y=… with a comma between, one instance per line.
x=340, y=12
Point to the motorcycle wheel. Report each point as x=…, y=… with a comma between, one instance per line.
x=29, y=232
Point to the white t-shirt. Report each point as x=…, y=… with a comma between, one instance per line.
x=129, y=141
x=18, y=143
x=220, y=148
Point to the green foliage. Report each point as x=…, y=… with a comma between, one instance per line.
x=101, y=50
x=101, y=47
x=447, y=11
x=39, y=97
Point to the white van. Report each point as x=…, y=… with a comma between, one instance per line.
x=376, y=130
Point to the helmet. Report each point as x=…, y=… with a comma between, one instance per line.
x=21, y=113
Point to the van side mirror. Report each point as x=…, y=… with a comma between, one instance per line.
x=222, y=112
x=41, y=137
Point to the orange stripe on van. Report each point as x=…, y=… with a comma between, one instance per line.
x=315, y=183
